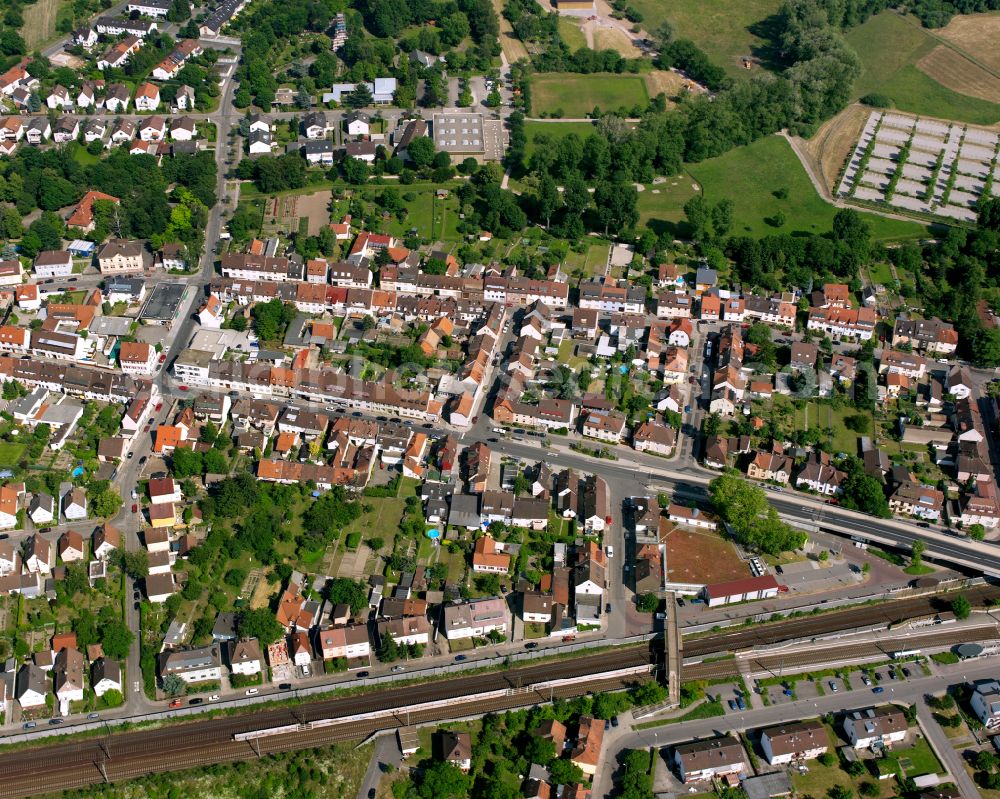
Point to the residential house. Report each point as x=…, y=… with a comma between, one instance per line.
x=193, y=665
x=794, y=742
x=875, y=728
x=105, y=675
x=706, y=760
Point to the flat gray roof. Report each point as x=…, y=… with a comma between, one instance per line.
x=164, y=303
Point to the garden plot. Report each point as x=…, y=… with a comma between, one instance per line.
x=893, y=136
x=922, y=142
x=975, y=168
x=921, y=158
x=882, y=165
x=916, y=172
x=923, y=166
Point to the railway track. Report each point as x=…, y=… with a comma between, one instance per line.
x=890, y=613
x=125, y=755
x=787, y=663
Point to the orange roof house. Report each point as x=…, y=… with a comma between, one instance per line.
x=486, y=557
x=82, y=215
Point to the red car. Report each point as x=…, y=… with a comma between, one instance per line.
x=135, y=507
x=175, y=703
x=163, y=357
x=159, y=405
x=183, y=388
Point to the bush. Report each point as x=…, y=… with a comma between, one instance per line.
x=877, y=100
x=352, y=541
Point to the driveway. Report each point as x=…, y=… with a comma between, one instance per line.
x=386, y=752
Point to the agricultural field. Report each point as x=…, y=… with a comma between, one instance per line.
x=576, y=96
x=695, y=556
x=976, y=34
x=954, y=71
x=892, y=47
x=40, y=21
x=765, y=178
x=725, y=30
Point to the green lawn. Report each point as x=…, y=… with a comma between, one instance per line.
x=571, y=95
x=921, y=759
x=554, y=131
x=888, y=47
x=664, y=202
x=570, y=33
x=749, y=176
x=722, y=28
x=10, y=453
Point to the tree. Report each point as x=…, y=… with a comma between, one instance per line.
x=388, y=651
x=960, y=607
x=647, y=603
x=563, y=772
x=134, y=563
x=345, y=591
x=174, y=685
x=116, y=639
x=547, y=198
x=421, y=151
x=186, y=462
x=976, y=532
x=985, y=761
x=753, y=521
x=827, y=759
x=260, y=623
x=868, y=788
x=106, y=503
x=443, y=780
x=917, y=552
x=355, y=170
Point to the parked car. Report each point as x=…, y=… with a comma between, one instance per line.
x=135, y=507
x=30, y=725
x=614, y=721
x=252, y=691
x=399, y=668
x=906, y=672
x=55, y=721
x=196, y=701
x=459, y=658
x=865, y=679
x=611, y=551
x=175, y=703
x=742, y=705
x=361, y=675
x=833, y=686
x=531, y=645
x=607, y=607
x=878, y=689
x=732, y=705
x=285, y=686
x=93, y=716
x=213, y=698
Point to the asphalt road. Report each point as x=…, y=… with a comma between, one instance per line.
x=907, y=692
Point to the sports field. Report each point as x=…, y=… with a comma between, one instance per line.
x=696, y=556
x=575, y=96
x=727, y=31
x=754, y=178
x=898, y=60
